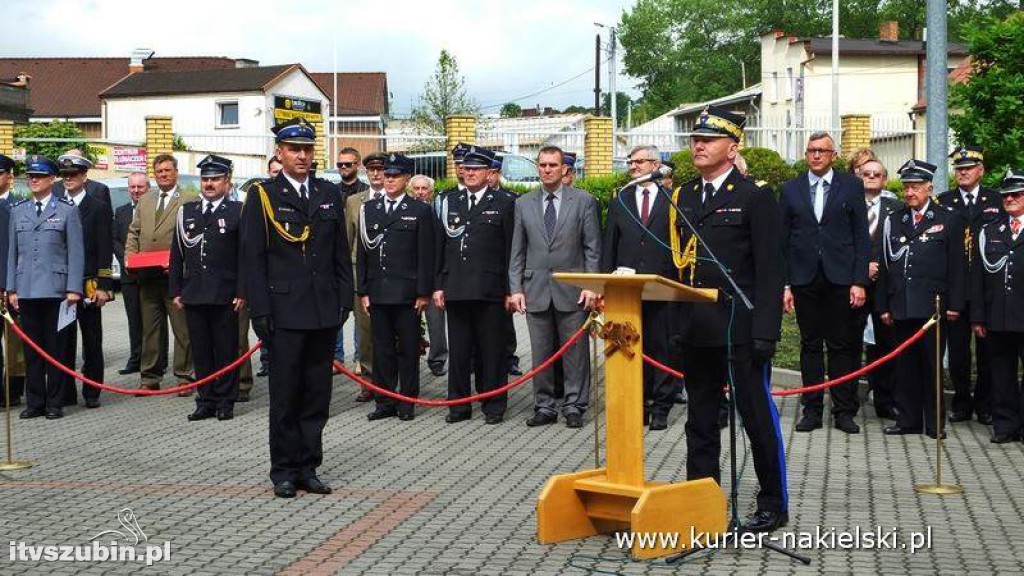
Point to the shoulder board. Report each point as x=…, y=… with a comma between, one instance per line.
x=760, y=183
x=19, y=202
x=66, y=200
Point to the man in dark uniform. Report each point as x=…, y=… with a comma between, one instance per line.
x=138, y=185
x=996, y=313
x=741, y=225
x=395, y=271
x=472, y=285
x=511, y=341
x=205, y=281
x=976, y=206
x=97, y=219
x=922, y=258
x=92, y=187
x=7, y=200
x=298, y=275
x=637, y=237
x=44, y=270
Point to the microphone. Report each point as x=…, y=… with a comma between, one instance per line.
x=660, y=173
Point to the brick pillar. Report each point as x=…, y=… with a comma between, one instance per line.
x=159, y=139
x=597, y=145
x=458, y=129
x=856, y=132
x=7, y=137
x=320, y=148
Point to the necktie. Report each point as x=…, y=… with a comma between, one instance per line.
x=1015, y=227
x=872, y=217
x=391, y=206
x=970, y=200
x=709, y=193
x=160, y=205
x=645, y=207
x=550, y=216
x=39, y=207
x=472, y=202
x=209, y=209
x=917, y=218
x=304, y=196
x=819, y=199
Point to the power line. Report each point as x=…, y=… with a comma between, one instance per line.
x=531, y=95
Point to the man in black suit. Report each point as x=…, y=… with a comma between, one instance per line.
x=395, y=274
x=6, y=201
x=977, y=206
x=93, y=188
x=97, y=219
x=205, y=281
x=472, y=285
x=138, y=185
x=637, y=237
x=922, y=258
x=996, y=312
x=826, y=246
x=879, y=206
x=739, y=222
x=298, y=274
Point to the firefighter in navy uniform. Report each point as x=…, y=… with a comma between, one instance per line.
x=511, y=341
x=996, y=312
x=922, y=257
x=395, y=272
x=472, y=285
x=742, y=226
x=205, y=280
x=977, y=206
x=298, y=277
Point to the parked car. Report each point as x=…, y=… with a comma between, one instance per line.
x=515, y=168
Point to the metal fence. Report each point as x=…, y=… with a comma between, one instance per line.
x=895, y=139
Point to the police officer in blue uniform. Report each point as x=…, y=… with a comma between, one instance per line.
x=977, y=205
x=7, y=200
x=205, y=280
x=395, y=273
x=996, y=312
x=472, y=285
x=44, y=268
x=922, y=257
x=298, y=275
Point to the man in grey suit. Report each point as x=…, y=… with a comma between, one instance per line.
x=45, y=260
x=557, y=228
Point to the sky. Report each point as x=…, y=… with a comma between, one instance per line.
x=527, y=51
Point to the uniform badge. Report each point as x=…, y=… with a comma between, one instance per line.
x=906, y=218
x=1002, y=228
x=903, y=239
x=404, y=206
x=924, y=237
x=327, y=206
x=376, y=226
x=729, y=187
x=456, y=220
x=929, y=215
x=191, y=226
x=936, y=228
x=489, y=198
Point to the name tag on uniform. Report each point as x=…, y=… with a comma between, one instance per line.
x=490, y=212
x=724, y=210
x=327, y=206
x=409, y=218
x=991, y=210
x=53, y=220
x=286, y=209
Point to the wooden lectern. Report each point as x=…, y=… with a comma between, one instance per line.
x=617, y=498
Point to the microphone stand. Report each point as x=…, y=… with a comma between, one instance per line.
x=735, y=526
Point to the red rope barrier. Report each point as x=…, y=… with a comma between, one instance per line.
x=135, y=391
x=468, y=399
x=655, y=364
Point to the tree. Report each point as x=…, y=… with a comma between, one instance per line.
x=622, y=103
x=444, y=94
x=71, y=135
x=511, y=110
x=989, y=110
x=577, y=109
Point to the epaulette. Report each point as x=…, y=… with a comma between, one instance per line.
x=19, y=202
x=760, y=183
x=66, y=200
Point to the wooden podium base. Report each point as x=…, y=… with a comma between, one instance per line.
x=585, y=504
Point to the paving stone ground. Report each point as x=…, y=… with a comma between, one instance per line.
x=425, y=497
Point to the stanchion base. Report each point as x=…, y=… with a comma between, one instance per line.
x=940, y=489
x=15, y=465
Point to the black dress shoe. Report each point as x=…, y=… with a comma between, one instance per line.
x=985, y=419
x=573, y=420
x=54, y=413
x=313, y=485
x=846, y=424
x=262, y=372
x=31, y=413
x=438, y=370
x=808, y=422
x=766, y=521
x=515, y=370
x=723, y=417
x=130, y=369
x=243, y=396
x=1002, y=438
x=542, y=419
x=885, y=412
x=658, y=422
x=364, y=396
x=92, y=402
x=284, y=489
x=931, y=434
x=494, y=419
x=958, y=416
x=458, y=417
x=202, y=413
x=406, y=416
x=897, y=430
x=679, y=397
x=225, y=415
x=379, y=414
x=71, y=401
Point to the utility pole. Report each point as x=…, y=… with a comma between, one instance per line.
x=612, y=90
x=936, y=51
x=835, y=73
x=597, y=75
